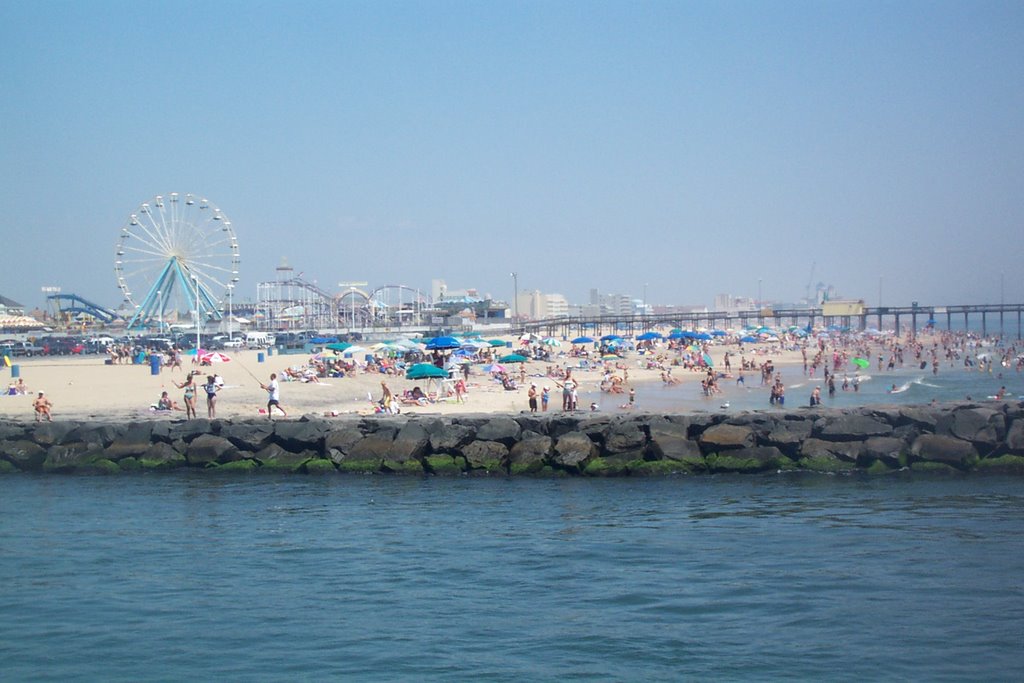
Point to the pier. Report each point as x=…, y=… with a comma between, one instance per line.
x=1000, y=319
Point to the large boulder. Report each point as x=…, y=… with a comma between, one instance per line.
x=24, y=454
x=573, y=450
x=449, y=438
x=983, y=427
x=341, y=440
x=207, y=448
x=367, y=454
x=411, y=443
x=275, y=457
x=96, y=433
x=850, y=427
x=47, y=434
x=486, y=455
x=669, y=441
x=135, y=441
x=884, y=448
x=529, y=455
x=756, y=459
x=249, y=436
x=921, y=418
x=724, y=437
x=625, y=437
x=302, y=435
x=501, y=429
x=190, y=429
x=847, y=451
x=162, y=455
x=1015, y=437
x=945, y=449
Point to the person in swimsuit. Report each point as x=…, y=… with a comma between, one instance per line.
x=211, y=390
x=190, y=395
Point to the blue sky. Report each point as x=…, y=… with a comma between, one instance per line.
x=694, y=147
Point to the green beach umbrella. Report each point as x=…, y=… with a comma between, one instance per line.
x=513, y=358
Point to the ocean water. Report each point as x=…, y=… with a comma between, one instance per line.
x=912, y=386
x=779, y=577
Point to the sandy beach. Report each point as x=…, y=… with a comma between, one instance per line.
x=87, y=388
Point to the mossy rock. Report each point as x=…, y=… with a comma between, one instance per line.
x=320, y=466
x=718, y=462
x=410, y=466
x=660, y=468
x=928, y=466
x=99, y=466
x=150, y=464
x=531, y=467
x=244, y=465
x=443, y=465
x=129, y=464
x=1004, y=463
x=7, y=468
x=359, y=466
x=822, y=464
x=879, y=467
x=600, y=467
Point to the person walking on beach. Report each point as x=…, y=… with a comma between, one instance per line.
x=273, y=396
x=211, y=390
x=189, y=385
x=43, y=407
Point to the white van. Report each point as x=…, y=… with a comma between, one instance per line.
x=258, y=339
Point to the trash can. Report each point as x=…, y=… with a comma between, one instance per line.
x=508, y=345
x=15, y=371
x=260, y=357
x=154, y=364
x=270, y=351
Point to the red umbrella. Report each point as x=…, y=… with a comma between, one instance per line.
x=213, y=357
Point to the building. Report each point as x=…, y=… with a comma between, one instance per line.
x=10, y=307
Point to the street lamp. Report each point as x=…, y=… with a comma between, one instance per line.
x=231, y=289
x=515, y=298
x=195, y=281
x=645, y=298
x=160, y=311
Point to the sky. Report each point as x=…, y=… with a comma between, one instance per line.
x=684, y=149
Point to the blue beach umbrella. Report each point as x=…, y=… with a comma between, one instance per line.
x=610, y=337
x=649, y=336
x=582, y=340
x=748, y=339
x=703, y=336
x=440, y=343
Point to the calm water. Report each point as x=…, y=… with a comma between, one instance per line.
x=747, y=578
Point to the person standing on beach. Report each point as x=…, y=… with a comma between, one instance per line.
x=211, y=390
x=545, y=396
x=273, y=397
x=189, y=386
x=532, y=395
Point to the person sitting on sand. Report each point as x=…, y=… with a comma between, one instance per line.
x=43, y=407
x=21, y=387
x=166, y=403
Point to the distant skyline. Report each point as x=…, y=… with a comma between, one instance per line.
x=695, y=148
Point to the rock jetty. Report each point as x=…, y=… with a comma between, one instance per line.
x=875, y=439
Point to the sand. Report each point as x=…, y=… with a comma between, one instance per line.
x=87, y=388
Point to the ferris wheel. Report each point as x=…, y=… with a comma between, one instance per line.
x=176, y=258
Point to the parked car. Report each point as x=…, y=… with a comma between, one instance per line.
x=236, y=343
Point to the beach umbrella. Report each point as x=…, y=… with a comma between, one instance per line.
x=703, y=336
x=610, y=337
x=494, y=367
x=496, y=342
x=528, y=337
x=649, y=336
x=583, y=340
x=675, y=330
x=748, y=339
x=708, y=362
x=425, y=371
x=677, y=335
x=609, y=356
x=718, y=333
x=338, y=346
x=861, y=363
x=550, y=341
x=441, y=343
x=513, y=358
x=213, y=357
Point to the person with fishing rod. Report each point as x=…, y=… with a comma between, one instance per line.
x=273, y=396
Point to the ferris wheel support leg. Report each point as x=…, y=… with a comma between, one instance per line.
x=151, y=302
